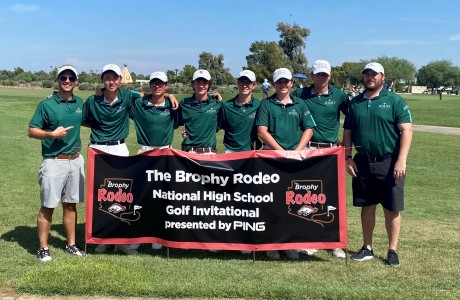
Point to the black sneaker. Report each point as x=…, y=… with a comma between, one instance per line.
x=392, y=258
x=43, y=254
x=73, y=250
x=363, y=254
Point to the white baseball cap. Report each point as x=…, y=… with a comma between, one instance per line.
x=374, y=66
x=159, y=75
x=282, y=73
x=249, y=74
x=112, y=67
x=321, y=66
x=66, y=67
x=202, y=74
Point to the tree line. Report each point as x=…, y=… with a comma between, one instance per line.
x=265, y=58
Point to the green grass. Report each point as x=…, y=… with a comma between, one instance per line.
x=429, y=110
x=429, y=244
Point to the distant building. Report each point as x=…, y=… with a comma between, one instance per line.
x=417, y=89
x=142, y=81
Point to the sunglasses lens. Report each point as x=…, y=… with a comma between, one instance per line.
x=64, y=78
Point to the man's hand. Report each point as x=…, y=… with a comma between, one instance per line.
x=98, y=92
x=217, y=95
x=60, y=132
x=351, y=168
x=174, y=102
x=400, y=169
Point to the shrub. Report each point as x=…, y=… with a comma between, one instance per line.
x=85, y=86
x=47, y=84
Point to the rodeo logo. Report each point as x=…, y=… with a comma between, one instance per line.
x=115, y=198
x=305, y=199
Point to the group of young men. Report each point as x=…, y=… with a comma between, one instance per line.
x=377, y=123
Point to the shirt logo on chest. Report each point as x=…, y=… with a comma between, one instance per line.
x=211, y=110
x=384, y=106
x=293, y=112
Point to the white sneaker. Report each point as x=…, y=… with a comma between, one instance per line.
x=101, y=248
x=135, y=246
x=156, y=246
x=308, y=251
x=43, y=254
x=291, y=254
x=273, y=254
x=339, y=253
x=126, y=249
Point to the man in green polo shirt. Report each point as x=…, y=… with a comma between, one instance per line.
x=199, y=114
x=56, y=122
x=284, y=123
x=237, y=116
x=108, y=117
x=379, y=125
x=325, y=103
x=153, y=117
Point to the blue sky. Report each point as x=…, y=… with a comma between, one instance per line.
x=164, y=35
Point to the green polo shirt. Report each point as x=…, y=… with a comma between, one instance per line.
x=54, y=112
x=237, y=120
x=108, y=122
x=286, y=123
x=154, y=124
x=326, y=109
x=200, y=121
x=374, y=123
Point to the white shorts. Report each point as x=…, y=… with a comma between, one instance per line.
x=120, y=149
x=61, y=180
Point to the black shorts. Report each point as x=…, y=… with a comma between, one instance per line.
x=376, y=184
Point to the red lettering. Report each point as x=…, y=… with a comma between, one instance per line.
x=289, y=197
x=307, y=198
x=119, y=196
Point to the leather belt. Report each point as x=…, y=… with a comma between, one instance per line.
x=109, y=143
x=322, y=145
x=202, y=150
x=373, y=159
x=68, y=156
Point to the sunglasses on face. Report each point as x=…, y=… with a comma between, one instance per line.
x=244, y=82
x=64, y=78
x=157, y=83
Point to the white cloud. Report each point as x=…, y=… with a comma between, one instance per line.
x=454, y=37
x=22, y=8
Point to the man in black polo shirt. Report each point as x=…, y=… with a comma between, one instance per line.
x=379, y=125
x=56, y=122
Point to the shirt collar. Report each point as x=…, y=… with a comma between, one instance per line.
x=58, y=98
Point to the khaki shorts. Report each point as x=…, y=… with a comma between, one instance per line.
x=61, y=180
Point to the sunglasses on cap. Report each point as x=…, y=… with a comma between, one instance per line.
x=63, y=78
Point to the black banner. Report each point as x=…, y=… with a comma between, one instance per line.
x=252, y=200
